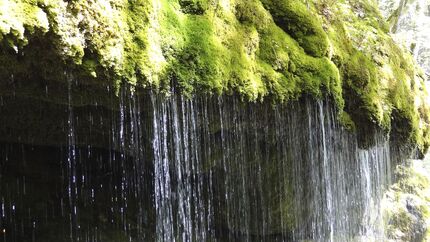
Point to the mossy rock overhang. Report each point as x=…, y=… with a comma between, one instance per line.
x=272, y=50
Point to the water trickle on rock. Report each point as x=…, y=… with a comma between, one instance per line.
x=155, y=168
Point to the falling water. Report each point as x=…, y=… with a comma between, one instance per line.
x=148, y=167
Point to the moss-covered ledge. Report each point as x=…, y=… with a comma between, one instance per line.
x=260, y=49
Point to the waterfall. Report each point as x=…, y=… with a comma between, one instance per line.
x=150, y=167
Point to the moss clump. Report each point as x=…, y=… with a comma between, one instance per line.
x=362, y=86
x=346, y=120
x=19, y=18
x=196, y=66
x=197, y=7
x=296, y=19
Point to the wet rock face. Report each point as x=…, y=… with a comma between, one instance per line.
x=406, y=203
x=159, y=168
x=410, y=23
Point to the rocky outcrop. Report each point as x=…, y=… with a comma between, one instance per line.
x=406, y=204
x=260, y=49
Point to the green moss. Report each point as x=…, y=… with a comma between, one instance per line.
x=90, y=66
x=346, y=120
x=362, y=83
x=135, y=43
x=196, y=65
x=302, y=73
x=197, y=7
x=294, y=17
x=253, y=13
